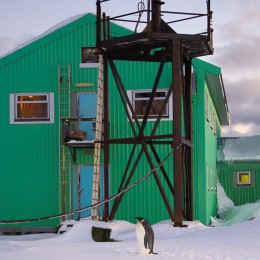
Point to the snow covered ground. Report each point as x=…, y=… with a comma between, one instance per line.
x=237, y=241
x=236, y=235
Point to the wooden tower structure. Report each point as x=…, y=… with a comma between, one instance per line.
x=158, y=42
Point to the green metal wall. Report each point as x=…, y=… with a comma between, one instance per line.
x=29, y=178
x=239, y=194
x=145, y=199
x=205, y=146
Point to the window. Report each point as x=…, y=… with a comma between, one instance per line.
x=31, y=108
x=211, y=116
x=89, y=57
x=140, y=100
x=207, y=106
x=214, y=123
x=244, y=178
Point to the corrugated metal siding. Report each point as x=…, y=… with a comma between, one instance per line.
x=29, y=187
x=211, y=167
x=199, y=148
x=30, y=159
x=145, y=199
x=140, y=201
x=29, y=180
x=239, y=195
x=205, y=148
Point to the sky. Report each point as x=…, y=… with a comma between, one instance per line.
x=235, y=235
x=236, y=41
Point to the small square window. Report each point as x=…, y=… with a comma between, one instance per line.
x=89, y=57
x=140, y=100
x=31, y=108
x=244, y=178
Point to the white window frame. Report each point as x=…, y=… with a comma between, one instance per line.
x=132, y=98
x=13, y=108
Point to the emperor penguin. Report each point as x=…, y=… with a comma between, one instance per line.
x=144, y=236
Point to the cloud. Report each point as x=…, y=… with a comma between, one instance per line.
x=237, y=52
x=240, y=130
x=8, y=43
x=240, y=59
x=243, y=102
x=236, y=43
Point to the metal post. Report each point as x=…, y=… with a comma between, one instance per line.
x=98, y=23
x=148, y=11
x=178, y=162
x=209, y=25
x=188, y=134
x=156, y=15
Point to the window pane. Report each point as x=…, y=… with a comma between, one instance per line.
x=32, y=111
x=89, y=55
x=160, y=94
x=141, y=105
x=148, y=94
x=32, y=98
x=156, y=108
x=142, y=95
x=244, y=178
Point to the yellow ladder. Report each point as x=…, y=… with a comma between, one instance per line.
x=95, y=212
x=64, y=84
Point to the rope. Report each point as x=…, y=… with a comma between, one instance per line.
x=96, y=204
x=140, y=7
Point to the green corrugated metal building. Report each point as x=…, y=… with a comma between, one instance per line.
x=34, y=159
x=55, y=77
x=239, y=168
x=210, y=112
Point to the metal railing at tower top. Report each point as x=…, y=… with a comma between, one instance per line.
x=152, y=10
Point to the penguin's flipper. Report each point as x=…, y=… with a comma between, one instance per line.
x=149, y=237
x=146, y=239
x=151, y=241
